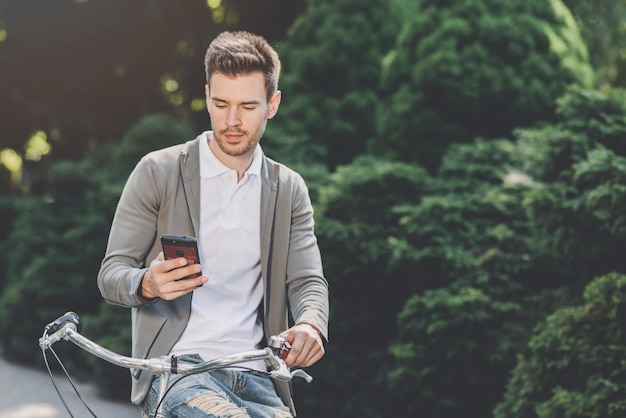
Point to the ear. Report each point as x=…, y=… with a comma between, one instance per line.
x=273, y=104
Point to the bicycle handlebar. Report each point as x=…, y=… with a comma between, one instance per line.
x=69, y=317
x=67, y=327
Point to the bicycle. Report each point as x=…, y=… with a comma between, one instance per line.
x=68, y=327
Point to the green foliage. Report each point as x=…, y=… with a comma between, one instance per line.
x=465, y=249
x=482, y=161
x=106, y=64
x=56, y=251
x=577, y=169
x=472, y=231
x=151, y=132
x=602, y=180
x=442, y=281
x=449, y=354
x=574, y=363
x=474, y=68
x=355, y=208
x=331, y=61
x=8, y=214
x=598, y=114
x=463, y=239
x=355, y=223
x=109, y=327
x=548, y=154
x=57, y=243
x=572, y=366
x=601, y=24
x=471, y=254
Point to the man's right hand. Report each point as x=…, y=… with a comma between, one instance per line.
x=162, y=280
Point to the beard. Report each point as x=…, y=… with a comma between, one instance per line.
x=245, y=146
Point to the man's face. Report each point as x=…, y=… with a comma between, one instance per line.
x=239, y=111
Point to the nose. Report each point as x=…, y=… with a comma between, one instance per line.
x=233, y=118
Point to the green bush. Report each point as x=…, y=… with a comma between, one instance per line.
x=574, y=365
x=57, y=243
x=475, y=68
x=577, y=168
x=450, y=358
x=331, y=68
x=355, y=224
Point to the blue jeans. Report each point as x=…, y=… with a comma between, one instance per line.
x=220, y=393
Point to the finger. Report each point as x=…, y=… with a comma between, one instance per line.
x=180, y=273
x=173, y=264
x=178, y=287
x=312, y=355
x=175, y=269
x=305, y=352
x=164, y=278
x=298, y=355
x=303, y=358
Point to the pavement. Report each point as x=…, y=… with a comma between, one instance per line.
x=29, y=393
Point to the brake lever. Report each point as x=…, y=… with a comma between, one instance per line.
x=301, y=373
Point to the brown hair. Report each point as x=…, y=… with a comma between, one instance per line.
x=241, y=53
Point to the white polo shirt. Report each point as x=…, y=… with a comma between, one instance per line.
x=224, y=312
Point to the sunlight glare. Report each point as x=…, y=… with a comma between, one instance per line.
x=37, y=146
x=214, y=4
x=197, y=104
x=171, y=85
x=10, y=159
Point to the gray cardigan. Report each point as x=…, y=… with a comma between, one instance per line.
x=162, y=195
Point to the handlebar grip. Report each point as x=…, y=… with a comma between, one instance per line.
x=68, y=317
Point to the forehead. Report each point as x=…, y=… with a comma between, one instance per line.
x=249, y=87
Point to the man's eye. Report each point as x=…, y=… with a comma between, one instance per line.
x=249, y=107
x=220, y=106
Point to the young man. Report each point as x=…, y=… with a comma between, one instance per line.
x=258, y=253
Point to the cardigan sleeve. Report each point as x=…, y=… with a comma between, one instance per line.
x=131, y=239
x=306, y=284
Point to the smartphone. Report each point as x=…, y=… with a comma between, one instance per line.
x=175, y=246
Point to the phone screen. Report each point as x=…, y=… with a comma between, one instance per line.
x=175, y=246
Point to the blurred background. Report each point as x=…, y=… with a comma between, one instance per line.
x=466, y=160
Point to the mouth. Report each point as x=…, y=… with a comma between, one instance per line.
x=233, y=136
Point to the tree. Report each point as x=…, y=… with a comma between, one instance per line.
x=474, y=68
x=84, y=72
x=601, y=25
x=578, y=168
x=573, y=365
x=331, y=59
x=465, y=251
x=488, y=248
x=58, y=241
x=56, y=250
x=355, y=220
x=451, y=358
x=576, y=210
